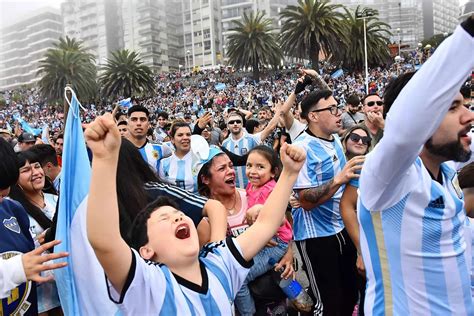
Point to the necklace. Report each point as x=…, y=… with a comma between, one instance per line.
x=42, y=205
x=231, y=210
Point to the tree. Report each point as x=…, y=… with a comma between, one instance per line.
x=435, y=40
x=378, y=37
x=68, y=63
x=311, y=27
x=125, y=75
x=253, y=44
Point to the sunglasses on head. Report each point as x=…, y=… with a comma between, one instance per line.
x=372, y=103
x=235, y=122
x=356, y=137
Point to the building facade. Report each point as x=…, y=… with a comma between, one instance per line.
x=411, y=21
x=233, y=10
x=201, y=33
x=24, y=44
x=97, y=23
x=150, y=27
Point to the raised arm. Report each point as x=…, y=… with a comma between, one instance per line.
x=269, y=219
x=272, y=124
x=414, y=117
x=103, y=228
x=217, y=215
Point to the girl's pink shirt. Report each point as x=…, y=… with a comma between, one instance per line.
x=259, y=196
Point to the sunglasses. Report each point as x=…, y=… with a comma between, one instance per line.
x=356, y=137
x=234, y=122
x=372, y=103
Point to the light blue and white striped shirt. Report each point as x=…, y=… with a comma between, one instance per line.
x=152, y=289
x=241, y=147
x=178, y=172
x=324, y=160
x=153, y=153
x=412, y=227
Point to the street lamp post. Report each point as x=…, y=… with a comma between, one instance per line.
x=399, y=40
x=188, y=59
x=366, y=13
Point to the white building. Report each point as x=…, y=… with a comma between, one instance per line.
x=24, y=44
x=150, y=28
x=412, y=20
x=98, y=23
x=439, y=17
x=233, y=10
x=201, y=33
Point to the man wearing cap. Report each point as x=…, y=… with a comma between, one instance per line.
x=25, y=141
x=5, y=134
x=352, y=116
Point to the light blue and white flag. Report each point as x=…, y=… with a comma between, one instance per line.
x=126, y=103
x=220, y=86
x=25, y=126
x=337, y=73
x=81, y=285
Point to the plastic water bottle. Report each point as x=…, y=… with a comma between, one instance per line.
x=293, y=290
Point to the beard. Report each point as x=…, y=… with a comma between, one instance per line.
x=450, y=151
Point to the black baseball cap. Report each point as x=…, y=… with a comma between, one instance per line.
x=26, y=138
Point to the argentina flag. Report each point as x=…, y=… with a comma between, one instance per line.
x=125, y=102
x=81, y=285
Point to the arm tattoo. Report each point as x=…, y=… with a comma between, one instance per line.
x=313, y=195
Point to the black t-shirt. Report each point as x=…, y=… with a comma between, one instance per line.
x=15, y=239
x=189, y=203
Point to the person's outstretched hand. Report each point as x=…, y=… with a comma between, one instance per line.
x=292, y=157
x=103, y=137
x=33, y=262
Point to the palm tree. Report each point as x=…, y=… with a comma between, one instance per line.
x=252, y=44
x=378, y=37
x=67, y=63
x=125, y=74
x=311, y=27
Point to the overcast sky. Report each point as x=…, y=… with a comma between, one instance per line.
x=13, y=10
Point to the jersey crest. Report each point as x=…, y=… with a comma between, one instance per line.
x=12, y=224
x=17, y=303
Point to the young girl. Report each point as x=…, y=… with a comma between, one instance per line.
x=262, y=168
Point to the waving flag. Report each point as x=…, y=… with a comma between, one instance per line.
x=337, y=73
x=81, y=285
x=220, y=86
x=25, y=126
x=126, y=102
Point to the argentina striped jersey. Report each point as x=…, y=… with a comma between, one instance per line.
x=324, y=160
x=241, y=147
x=178, y=172
x=152, y=153
x=411, y=226
x=152, y=289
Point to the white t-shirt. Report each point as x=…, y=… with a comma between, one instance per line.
x=152, y=289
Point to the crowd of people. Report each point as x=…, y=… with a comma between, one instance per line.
x=215, y=182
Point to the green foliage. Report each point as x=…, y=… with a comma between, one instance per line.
x=3, y=102
x=313, y=26
x=125, y=75
x=378, y=38
x=253, y=44
x=16, y=97
x=434, y=40
x=68, y=63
